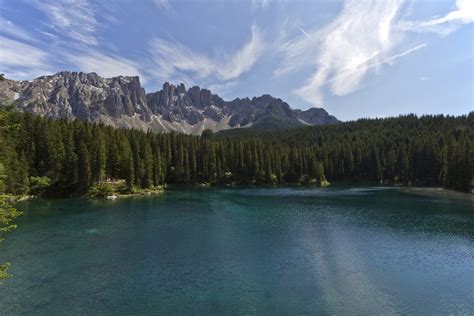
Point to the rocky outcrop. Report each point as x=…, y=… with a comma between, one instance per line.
x=316, y=116
x=79, y=95
x=122, y=102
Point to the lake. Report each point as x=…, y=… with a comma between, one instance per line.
x=341, y=250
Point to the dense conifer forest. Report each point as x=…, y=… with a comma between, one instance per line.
x=71, y=158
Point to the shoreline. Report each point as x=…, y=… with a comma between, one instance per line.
x=13, y=199
x=422, y=191
x=438, y=192
x=129, y=195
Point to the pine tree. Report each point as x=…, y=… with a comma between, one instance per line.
x=186, y=167
x=100, y=158
x=68, y=177
x=403, y=166
x=113, y=159
x=157, y=165
x=147, y=165
x=84, y=168
x=432, y=150
x=376, y=165
x=269, y=177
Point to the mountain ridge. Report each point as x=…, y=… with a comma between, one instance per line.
x=122, y=102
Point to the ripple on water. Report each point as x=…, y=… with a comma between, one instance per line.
x=287, y=250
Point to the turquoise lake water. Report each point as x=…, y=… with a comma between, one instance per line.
x=268, y=251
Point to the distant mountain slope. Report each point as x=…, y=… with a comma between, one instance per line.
x=122, y=102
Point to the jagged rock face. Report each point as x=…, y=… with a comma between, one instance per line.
x=122, y=102
x=79, y=95
x=316, y=116
x=175, y=104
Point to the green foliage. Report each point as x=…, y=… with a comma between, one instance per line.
x=102, y=190
x=3, y=271
x=426, y=151
x=39, y=184
x=78, y=156
x=3, y=177
x=207, y=134
x=7, y=215
x=84, y=168
x=7, y=212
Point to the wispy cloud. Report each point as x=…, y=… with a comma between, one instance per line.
x=390, y=59
x=362, y=38
x=343, y=52
x=463, y=13
x=172, y=59
x=30, y=63
x=243, y=60
x=257, y=4
x=374, y=63
x=74, y=18
x=223, y=89
x=164, y=4
x=106, y=65
x=10, y=29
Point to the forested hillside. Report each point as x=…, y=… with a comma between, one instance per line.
x=433, y=150
x=68, y=158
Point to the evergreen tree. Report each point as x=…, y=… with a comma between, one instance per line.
x=431, y=150
x=100, y=157
x=147, y=165
x=68, y=177
x=403, y=166
x=84, y=168
x=7, y=213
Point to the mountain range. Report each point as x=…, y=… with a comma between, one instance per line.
x=122, y=102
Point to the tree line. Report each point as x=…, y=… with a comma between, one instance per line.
x=68, y=158
x=432, y=150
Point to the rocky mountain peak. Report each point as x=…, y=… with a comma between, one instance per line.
x=316, y=116
x=122, y=102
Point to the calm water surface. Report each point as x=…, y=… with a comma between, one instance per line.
x=243, y=251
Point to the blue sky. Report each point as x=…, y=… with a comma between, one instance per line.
x=355, y=58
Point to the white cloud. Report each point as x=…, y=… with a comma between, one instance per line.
x=164, y=4
x=74, y=18
x=343, y=52
x=362, y=38
x=30, y=63
x=373, y=64
x=223, y=89
x=389, y=60
x=298, y=53
x=106, y=65
x=11, y=30
x=243, y=60
x=171, y=59
x=462, y=14
x=257, y=4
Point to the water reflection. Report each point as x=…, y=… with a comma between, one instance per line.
x=244, y=251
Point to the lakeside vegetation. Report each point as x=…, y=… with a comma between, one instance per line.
x=59, y=158
x=7, y=212
x=432, y=150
